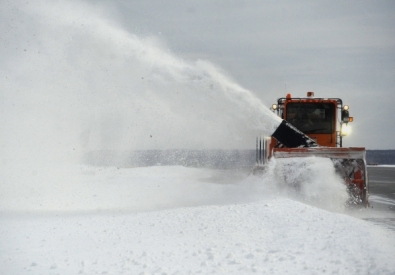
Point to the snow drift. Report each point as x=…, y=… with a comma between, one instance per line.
x=168, y=220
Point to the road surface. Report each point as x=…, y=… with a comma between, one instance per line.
x=382, y=187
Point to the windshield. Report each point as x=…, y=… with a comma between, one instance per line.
x=311, y=118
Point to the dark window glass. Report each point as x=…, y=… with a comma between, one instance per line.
x=318, y=118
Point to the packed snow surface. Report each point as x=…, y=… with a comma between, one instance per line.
x=179, y=220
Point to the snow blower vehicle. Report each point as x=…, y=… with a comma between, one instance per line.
x=315, y=127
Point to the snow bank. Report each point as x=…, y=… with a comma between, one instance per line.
x=178, y=220
x=84, y=188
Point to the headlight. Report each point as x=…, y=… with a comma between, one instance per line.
x=345, y=107
x=345, y=130
x=274, y=106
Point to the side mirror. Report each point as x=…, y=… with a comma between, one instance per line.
x=345, y=116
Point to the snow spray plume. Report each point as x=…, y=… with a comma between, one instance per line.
x=75, y=81
x=311, y=180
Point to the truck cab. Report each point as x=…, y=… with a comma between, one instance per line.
x=324, y=120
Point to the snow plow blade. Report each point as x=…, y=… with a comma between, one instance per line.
x=324, y=152
x=350, y=163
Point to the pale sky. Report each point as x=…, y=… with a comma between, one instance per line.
x=340, y=49
x=53, y=67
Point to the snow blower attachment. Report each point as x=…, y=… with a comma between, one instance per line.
x=309, y=129
x=291, y=137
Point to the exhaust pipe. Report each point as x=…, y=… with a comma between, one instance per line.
x=260, y=150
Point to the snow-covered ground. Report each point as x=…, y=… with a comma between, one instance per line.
x=75, y=81
x=180, y=220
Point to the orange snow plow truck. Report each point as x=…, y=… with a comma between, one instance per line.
x=315, y=127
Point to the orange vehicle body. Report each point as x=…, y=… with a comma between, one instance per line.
x=331, y=138
x=320, y=121
x=327, y=139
